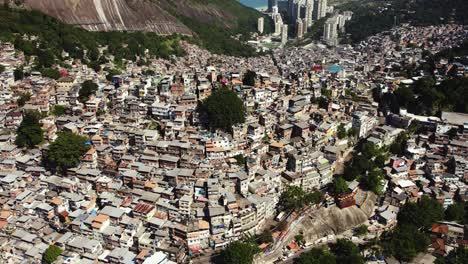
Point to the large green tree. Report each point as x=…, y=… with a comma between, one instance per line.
x=249, y=78
x=223, y=109
x=346, y=252
x=29, y=134
x=51, y=254
x=66, y=151
x=457, y=212
x=239, y=252
x=316, y=256
x=340, y=186
x=88, y=88
x=456, y=256
x=294, y=197
x=422, y=214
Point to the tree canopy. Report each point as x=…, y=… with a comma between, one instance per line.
x=316, y=256
x=66, y=151
x=29, y=134
x=340, y=186
x=457, y=212
x=409, y=237
x=367, y=167
x=239, y=252
x=346, y=252
x=294, y=197
x=88, y=88
x=249, y=78
x=456, y=256
x=223, y=109
x=51, y=254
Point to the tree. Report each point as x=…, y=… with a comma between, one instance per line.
x=265, y=237
x=223, y=109
x=341, y=133
x=340, y=186
x=59, y=110
x=346, y=252
x=316, y=256
x=239, y=252
x=50, y=73
x=373, y=181
x=456, y=256
x=294, y=198
x=361, y=230
x=66, y=151
x=240, y=159
x=422, y=214
x=406, y=241
x=51, y=254
x=87, y=88
x=29, y=134
x=18, y=74
x=399, y=145
x=249, y=78
x=457, y=212
x=24, y=97
x=299, y=238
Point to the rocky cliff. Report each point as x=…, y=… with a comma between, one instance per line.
x=160, y=16
x=335, y=220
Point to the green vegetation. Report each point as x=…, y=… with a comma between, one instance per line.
x=24, y=97
x=343, y=252
x=2, y=68
x=59, y=110
x=240, y=159
x=361, y=230
x=425, y=97
x=346, y=252
x=51, y=254
x=18, y=74
x=399, y=145
x=66, y=151
x=29, y=134
x=299, y=238
x=341, y=133
x=216, y=34
x=457, y=212
x=54, y=36
x=295, y=198
x=239, y=252
x=265, y=237
x=340, y=186
x=223, y=109
x=409, y=237
x=50, y=73
x=456, y=256
x=371, y=16
x=316, y=256
x=87, y=88
x=249, y=78
x=366, y=167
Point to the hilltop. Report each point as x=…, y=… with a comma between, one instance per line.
x=212, y=23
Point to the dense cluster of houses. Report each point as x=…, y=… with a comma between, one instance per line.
x=155, y=186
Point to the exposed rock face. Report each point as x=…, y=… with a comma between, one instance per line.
x=105, y=15
x=159, y=16
x=336, y=221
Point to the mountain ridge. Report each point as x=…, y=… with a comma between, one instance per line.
x=159, y=16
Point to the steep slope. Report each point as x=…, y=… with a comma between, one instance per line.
x=106, y=15
x=159, y=16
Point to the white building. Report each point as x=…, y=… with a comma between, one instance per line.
x=261, y=23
